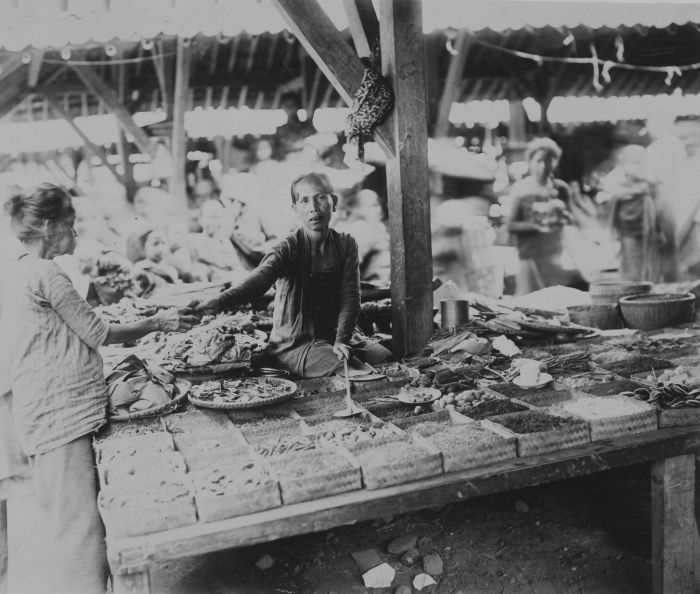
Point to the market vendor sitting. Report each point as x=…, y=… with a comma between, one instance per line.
x=317, y=300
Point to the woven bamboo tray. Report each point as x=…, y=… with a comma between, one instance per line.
x=112, y=447
x=637, y=365
x=198, y=422
x=320, y=424
x=139, y=470
x=397, y=462
x=611, y=388
x=260, y=432
x=531, y=444
x=615, y=426
x=232, y=501
x=543, y=399
x=678, y=417
x=462, y=443
x=209, y=449
x=312, y=475
x=288, y=388
x=147, y=515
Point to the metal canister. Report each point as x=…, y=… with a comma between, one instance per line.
x=453, y=313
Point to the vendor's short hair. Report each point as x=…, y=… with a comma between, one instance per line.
x=29, y=212
x=543, y=144
x=320, y=179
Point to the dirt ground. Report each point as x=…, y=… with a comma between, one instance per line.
x=584, y=535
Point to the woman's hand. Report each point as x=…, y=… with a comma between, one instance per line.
x=342, y=350
x=176, y=320
x=207, y=306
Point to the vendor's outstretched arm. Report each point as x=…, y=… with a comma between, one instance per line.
x=257, y=283
x=168, y=320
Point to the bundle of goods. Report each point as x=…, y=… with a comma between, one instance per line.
x=486, y=406
x=136, y=389
x=247, y=392
x=128, y=309
x=224, y=339
x=636, y=365
x=670, y=395
x=568, y=363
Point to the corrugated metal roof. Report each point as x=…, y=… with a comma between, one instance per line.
x=57, y=23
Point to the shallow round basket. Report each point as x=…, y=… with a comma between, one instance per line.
x=182, y=389
x=279, y=382
x=649, y=312
x=605, y=316
x=604, y=292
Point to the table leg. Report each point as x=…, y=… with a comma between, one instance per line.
x=4, y=550
x=132, y=583
x=673, y=525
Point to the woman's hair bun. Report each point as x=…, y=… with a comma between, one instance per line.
x=14, y=206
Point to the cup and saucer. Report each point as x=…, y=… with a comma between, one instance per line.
x=531, y=377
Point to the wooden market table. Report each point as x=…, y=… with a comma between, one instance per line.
x=670, y=451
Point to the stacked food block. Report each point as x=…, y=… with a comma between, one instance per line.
x=144, y=483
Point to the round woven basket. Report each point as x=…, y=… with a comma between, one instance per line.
x=605, y=316
x=649, y=312
x=607, y=292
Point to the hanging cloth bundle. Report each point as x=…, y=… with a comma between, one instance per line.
x=373, y=102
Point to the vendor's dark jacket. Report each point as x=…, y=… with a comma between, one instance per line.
x=289, y=264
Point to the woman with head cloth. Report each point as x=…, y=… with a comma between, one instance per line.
x=538, y=214
x=51, y=336
x=317, y=297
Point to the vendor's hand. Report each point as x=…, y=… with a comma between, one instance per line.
x=543, y=228
x=175, y=320
x=342, y=350
x=207, y=306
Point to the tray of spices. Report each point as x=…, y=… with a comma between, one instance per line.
x=151, y=508
x=537, y=432
x=611, y=388
x=583, y=380
x=133, y=472
x=314, y=473
x=322, y=404
x=197, y=422
x=205, y=449
x=610, y=417
x=462, y=443
x=636, y=365
x=236, y=487
x=397, y=462
x=489, y=405
x=271, y=428
x=241, y=393
x=392, y=410
x=360, y=430
x=545, y=398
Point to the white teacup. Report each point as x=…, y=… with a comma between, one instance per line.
x=529, y=371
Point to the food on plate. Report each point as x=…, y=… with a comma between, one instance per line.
x=243, y=390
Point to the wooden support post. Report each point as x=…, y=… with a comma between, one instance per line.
x=673, y=525
x=123, y=146
x=517, y=129
x=92, y=80
x=407, y=177
x=331, y=53
x=178, y=182
x=4, y=549
x=98, y=151
x=452, y=84
x=132, y=583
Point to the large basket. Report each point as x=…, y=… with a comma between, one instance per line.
x=179, y=396
x=610, y=292
x=648, y=312
x=605, y=316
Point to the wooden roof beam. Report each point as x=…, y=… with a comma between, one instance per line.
x=92, y=80
x=96, y=150
x=452, y=86
x=178, y=183
x=363, y=24
x=332, y=54
x=10, y=66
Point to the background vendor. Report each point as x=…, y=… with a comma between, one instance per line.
x=52, y=336
x=318, y=291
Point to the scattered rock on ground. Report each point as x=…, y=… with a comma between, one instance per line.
x=521, y=506
x=432, y=564
x=265, y=562
x=411, y=557
x=423, y=580
x=401, y=544
x=379, y=577
x=367, y=560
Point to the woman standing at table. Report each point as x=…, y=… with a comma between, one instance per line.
x=317, y=301
x=51, y=336
x=538, y=214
